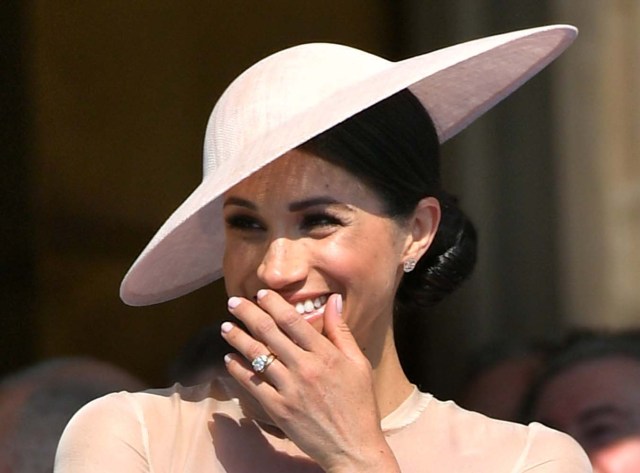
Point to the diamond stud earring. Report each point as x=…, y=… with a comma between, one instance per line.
x=409, y=265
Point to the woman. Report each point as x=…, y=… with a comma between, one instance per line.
x=321, y=205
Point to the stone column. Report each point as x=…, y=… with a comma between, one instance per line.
x=598, y=163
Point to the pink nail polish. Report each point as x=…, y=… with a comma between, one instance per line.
x=226, y=327
x=261, y=293
x=339, y=303
x=233, y=302
x=227, y=358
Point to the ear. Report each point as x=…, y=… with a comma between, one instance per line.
x=422, y=228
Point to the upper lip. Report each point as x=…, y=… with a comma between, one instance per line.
x=293, y=300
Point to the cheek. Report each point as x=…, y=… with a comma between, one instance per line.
x=365, y=258
x=239, y=261
x=623, y=457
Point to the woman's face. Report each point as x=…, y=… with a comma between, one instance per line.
x=307, y=229
x=598, y=403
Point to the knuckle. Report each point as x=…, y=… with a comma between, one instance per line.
x=281, y=412
x=264, y=327
x=255, y=349
x=290, y=318
x=309, y=372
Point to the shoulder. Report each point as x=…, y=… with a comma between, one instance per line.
x=473, y=425
x=551, y=450
x=137, y=429
x=126, y=407
x=108, y=411
x=97, y=433
x=532, y=447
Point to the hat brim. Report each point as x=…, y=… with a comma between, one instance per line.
x=456, y=85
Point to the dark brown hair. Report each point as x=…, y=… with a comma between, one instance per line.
x=393, y=147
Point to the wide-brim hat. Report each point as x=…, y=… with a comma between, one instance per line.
x=295, y=94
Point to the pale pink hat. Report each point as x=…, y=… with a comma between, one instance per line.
x=296, y=94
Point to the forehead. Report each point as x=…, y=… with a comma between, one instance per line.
x=610, y=372
x=298, y=175
x=613, y=380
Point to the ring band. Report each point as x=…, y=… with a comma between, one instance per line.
x=261, y=362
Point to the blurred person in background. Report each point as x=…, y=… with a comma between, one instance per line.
x=200, y=359
x=37, y=402
x=590, y=389
x=499, y=377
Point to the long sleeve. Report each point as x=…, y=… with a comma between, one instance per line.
x=106, y=435
x=550, y=451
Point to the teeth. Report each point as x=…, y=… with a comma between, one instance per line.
x=310, y=305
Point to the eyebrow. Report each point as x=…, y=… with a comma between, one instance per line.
x=293, y=207
x=600, y=411
x=305, y=204
x=240, y=202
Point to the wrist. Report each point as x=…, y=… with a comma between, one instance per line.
x=378, y=459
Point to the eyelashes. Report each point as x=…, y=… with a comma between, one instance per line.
x=244, y=223
x=309, y=223
x=320, y=220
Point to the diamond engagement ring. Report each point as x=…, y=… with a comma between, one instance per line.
x=261, y=362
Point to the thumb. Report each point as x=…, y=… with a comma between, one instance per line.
x=336, y=329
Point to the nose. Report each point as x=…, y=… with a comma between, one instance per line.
x=283, y=264
x=620, y=457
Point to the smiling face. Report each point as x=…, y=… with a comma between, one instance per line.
x=307, y=229
x=598, y=403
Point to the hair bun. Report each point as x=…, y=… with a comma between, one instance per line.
x=447, y=263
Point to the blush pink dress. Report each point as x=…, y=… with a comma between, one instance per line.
x=207, y=428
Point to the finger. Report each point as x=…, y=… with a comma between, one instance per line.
x=240, y=369
x=250, y=348
x=264, y=328
x=336, y=329
x=287, y=318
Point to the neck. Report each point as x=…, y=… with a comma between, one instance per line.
x=390, y=384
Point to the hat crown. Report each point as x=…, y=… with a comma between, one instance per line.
x=277, y=90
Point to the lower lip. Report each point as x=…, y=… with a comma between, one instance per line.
x=315, y=315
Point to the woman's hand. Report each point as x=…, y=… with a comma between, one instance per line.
x=319, y=388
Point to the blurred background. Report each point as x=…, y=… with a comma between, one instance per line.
x=103, y=109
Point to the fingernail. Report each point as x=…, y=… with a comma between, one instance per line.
x=261, y=293
x=226, y=327
x=233, y=302
x=339, y=303
x=227, y=358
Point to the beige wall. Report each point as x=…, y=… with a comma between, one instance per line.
x=599, y=166
x=121, y=93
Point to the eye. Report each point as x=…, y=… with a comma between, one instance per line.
x=320, y=220
x=243, y=223
x=599, y=435
x=602, y=432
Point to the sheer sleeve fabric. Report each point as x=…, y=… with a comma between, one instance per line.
x=104, y=436
x=448, y=438
x=200, y=429
x=550, y=451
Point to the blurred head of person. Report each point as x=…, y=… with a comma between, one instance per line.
x=591, y=390
x=499, y=376
x=37, y=402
